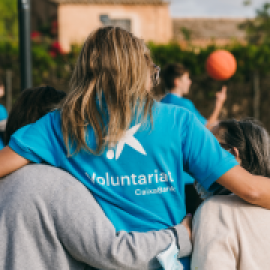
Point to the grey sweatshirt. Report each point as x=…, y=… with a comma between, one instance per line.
x=50, y=221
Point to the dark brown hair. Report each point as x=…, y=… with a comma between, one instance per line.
x=252, y=141
x=253, y=144
x=32, y=104
x=170, y=72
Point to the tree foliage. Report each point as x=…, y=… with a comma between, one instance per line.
x=258, y=29
x=8, y=20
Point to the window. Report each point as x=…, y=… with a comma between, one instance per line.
x=124, y=23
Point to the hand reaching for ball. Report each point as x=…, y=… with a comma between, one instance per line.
x=221, y=96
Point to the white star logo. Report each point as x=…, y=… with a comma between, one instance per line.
x=130, y=140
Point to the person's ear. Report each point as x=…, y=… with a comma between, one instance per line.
x=177, y=82
x=235, y=152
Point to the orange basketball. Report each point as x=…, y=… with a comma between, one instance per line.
x=221, y=65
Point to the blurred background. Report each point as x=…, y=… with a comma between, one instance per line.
x=184, y=31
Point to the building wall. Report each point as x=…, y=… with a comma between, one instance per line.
x=42, y=12
x=75, y=22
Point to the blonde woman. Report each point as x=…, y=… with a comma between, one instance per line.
x=48, y=197
x=129, y=150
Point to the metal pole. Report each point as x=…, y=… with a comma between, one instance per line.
x=25, y=43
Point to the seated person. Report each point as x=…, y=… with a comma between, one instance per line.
x=229, y=233
x=32, y=104
x=45, y=225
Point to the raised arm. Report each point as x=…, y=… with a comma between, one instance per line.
x=251, y=188
x=10, y=161
x=220, y=99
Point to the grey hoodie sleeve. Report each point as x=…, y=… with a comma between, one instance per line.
x=90, y=237
x=62, y=210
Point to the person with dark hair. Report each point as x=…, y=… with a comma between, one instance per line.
x=177, y=82
x=39, y=208
x=31, y=105
x=228, y=233
x=248, y=141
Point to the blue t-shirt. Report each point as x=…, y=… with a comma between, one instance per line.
x=2, y=145
x=185, y=103
x=3, y=113
x=140, y=182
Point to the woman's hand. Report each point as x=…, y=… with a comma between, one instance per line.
x=187, y=222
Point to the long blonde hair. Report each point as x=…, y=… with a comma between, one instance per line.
x=108, y=89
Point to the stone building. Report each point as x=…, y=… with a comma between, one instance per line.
x=147, y=19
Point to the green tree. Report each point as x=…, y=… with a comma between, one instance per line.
x=258, y=29
x=8, y=20
x=258, y=38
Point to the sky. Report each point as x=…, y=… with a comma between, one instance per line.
x=214, y=8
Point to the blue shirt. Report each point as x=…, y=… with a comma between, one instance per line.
x=185, y=103
x=140, y=182
x=2, y=145
x=3, y=116
x=3, y=113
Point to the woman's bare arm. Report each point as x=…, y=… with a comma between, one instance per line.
x=10, y=161
x=251, y=188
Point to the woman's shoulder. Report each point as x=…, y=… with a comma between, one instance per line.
x=171, y=117
x=221, y=201
x=52, y=118
x=169, y=110
x=225, y=205
x=217, y=205
x=224, y=200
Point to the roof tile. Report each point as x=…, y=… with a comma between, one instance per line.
x=207, y=28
